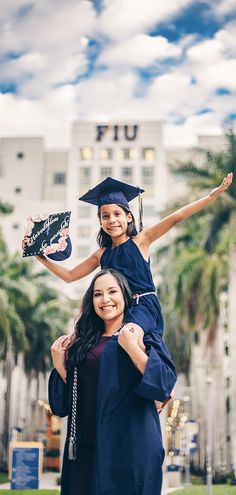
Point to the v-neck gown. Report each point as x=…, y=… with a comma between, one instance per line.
x=76, y=475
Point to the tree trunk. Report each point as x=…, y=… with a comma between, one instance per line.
x=9, y=366
x=232, y=337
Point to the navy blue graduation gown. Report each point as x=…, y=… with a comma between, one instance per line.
x=128, y=453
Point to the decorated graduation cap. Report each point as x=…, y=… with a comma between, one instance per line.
x=48, y=235
x=112, y=191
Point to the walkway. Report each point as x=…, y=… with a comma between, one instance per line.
x=48, y=481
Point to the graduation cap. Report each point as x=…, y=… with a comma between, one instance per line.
x=48, y=235
x=112, y=191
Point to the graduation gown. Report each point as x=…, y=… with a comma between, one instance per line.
x=128, y=453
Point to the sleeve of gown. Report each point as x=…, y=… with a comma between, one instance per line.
x=159, y=376
x=58, y=394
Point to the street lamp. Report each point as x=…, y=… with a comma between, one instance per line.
x=209, y=435
x=186, y=400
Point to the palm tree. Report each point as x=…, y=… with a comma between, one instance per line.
x=195, y=263
x=32, y=317
x=213, y=167
x=13, y=338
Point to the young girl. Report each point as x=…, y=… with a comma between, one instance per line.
x=127, y=251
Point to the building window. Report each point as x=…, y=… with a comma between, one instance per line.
x=85, y=175
x=83, y=251
x=128, y=154
x=227, y=382
x=84, y=211
x=227, y=405
x=148, y=180
x=127, y=174
x=18, y=190
x=148, y=211
x=20, y=155
x=84, y=231
x=105, y=172
x=15, y=226
x=85, y=179
x=86, y=153
x=148, y=154
x=106, y=154
x=59, y=178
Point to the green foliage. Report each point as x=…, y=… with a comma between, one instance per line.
x=202, y=490
x=194, y=265
x=32, y=314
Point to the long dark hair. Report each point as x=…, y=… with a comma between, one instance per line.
x=90, y=326
x=105, y=240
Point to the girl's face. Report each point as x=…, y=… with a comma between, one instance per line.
x=108, y=299
x=114, y=220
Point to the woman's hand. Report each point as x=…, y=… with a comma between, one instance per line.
x=58, y=351
x=226, y=182
x=131, y=335
x=131, y=339
x=68, y=340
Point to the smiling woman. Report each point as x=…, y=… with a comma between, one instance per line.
x=108, y=302
x=107, y=384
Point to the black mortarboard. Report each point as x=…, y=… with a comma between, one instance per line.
x=111, y=191
x=48, y=236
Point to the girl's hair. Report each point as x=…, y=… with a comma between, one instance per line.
x=104, y=239
x=90, y=326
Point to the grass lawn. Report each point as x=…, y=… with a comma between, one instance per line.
x=202, y=490
x=3, y=478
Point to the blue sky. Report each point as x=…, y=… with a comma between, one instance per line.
x=172, y=60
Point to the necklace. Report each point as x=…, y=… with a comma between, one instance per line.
x=116, y=332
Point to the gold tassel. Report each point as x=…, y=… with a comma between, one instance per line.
x=72, y=450
x=140, y=204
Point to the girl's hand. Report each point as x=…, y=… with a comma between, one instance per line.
x=131, y=335
x=24, y=242
x=226, y=182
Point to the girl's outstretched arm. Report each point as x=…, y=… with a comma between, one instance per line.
x=152, y=233
x=79, y=271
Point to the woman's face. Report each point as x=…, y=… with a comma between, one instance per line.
x=108, y=300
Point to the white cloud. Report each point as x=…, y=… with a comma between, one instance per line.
x=49, y=117
x=212, y=64
x=223, y=7
x=226, y=36
x=53, y=46
x=51, y=43
x=122, y=19
x=140, y=51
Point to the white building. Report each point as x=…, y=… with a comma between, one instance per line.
x=32, y=180
x=130, y=152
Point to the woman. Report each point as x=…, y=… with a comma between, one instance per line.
x=107, y=386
